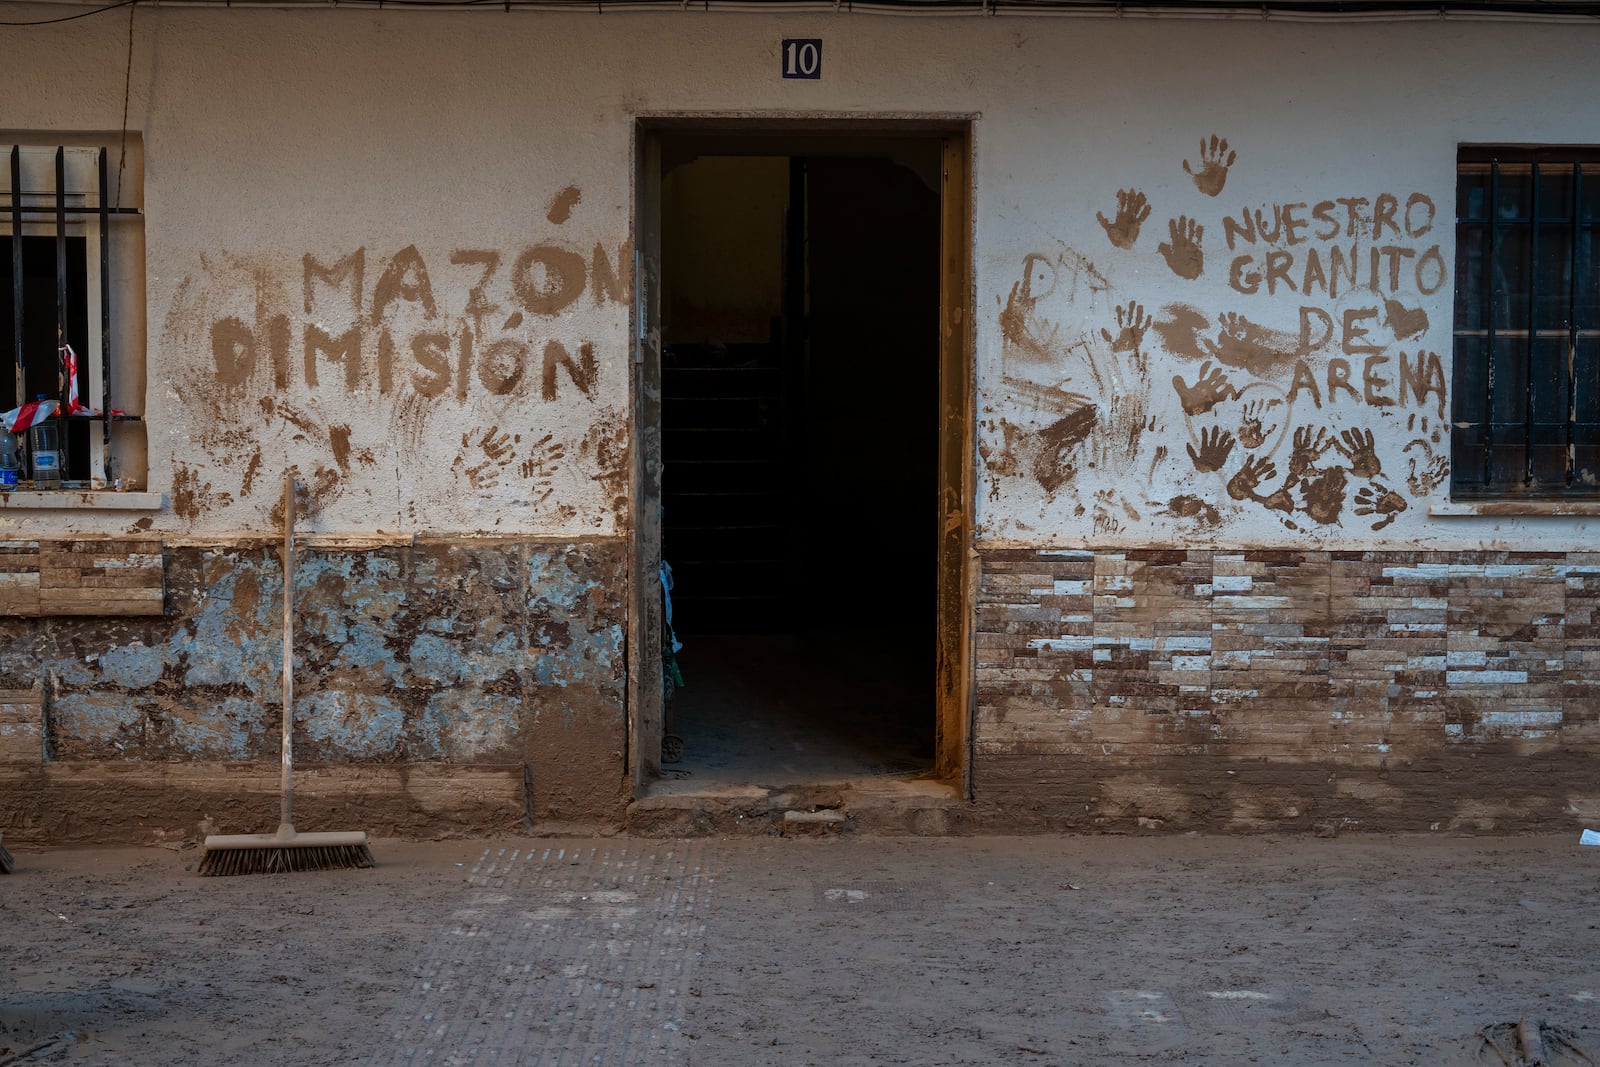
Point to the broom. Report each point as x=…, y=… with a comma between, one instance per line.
x=285, y=850
x=6, y=862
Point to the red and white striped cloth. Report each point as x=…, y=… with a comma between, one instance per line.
x=70, y=359
x=17, y=420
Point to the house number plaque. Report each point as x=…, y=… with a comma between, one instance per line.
x=802, y=58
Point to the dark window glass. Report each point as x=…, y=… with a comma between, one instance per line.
x=42, y=371
x=1526, y=399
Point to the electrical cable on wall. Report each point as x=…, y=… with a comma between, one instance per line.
x=68, y=18
x=1279, y=10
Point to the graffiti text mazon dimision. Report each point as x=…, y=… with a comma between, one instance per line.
x=393, y=333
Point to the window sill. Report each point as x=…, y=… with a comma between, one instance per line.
x=79, y=500
x=1509, y=509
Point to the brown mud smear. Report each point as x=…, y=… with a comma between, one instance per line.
x=562, y=203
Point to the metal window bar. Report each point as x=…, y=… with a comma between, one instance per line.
x=57, y=212
x=16, y=270
x=1531, y=347
x=1488, y=321
x=105, y=313
x=65, y=458
x=1572, y=320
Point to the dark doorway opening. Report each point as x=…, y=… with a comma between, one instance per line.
x=800, y=414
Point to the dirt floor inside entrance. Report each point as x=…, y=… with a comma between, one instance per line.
x=781, y=709
x=861, y=950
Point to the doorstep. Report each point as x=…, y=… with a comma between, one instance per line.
x=916, y=807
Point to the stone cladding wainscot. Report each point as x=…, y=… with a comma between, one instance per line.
x=1252, y=690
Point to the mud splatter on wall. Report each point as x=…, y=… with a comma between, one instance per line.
x=501, y=652
x=411, y=388
x=1216, y=359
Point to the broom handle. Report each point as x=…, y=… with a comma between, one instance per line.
x=285, y=818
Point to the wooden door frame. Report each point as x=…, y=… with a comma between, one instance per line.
x=790, y=134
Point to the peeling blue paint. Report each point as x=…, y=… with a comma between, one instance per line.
x=352, y=724
x=435, y=659
x=366, y=648
x=224, y=734
x=76, y=672
x=227, y=643
x=472, y=651
x=132, y=666
x=468, y=728
x=105, y=718
x=549, y=587
x=547, y=670
x=594, y=659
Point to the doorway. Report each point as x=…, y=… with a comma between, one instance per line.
x=802, y=369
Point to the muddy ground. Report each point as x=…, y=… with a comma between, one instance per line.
x=1280, y=950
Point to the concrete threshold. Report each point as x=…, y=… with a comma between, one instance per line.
x=874, y=805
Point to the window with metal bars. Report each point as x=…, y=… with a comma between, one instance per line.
x=1526, y=398
x=63, y=238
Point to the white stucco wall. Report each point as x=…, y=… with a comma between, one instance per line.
x=426, y=149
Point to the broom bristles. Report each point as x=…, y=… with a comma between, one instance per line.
x=284, y=859
x=6, y=862
x=285, y=852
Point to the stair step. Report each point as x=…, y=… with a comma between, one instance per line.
x=896, y=807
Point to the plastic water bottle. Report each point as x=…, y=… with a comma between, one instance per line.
x=10, y=461
x=44, y=442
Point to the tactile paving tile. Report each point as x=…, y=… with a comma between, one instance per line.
x=560, y=955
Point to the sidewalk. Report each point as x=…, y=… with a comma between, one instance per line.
x=1084, y=950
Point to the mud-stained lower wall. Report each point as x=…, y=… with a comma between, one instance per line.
x=475, y=654
x=1280, y=689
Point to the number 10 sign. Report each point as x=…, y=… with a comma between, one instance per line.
x=802, y=57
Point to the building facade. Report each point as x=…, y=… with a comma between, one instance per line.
x=1264, y=356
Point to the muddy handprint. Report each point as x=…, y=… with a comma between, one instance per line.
x=1282, y=500
x=1427, y=468
x=1242, y=343
x=1208, y=390
x=494, y=447
x=1132, y=210
x=1378, y=499
x=1324, y=493
x=1357, y=446
x=1252, y=433
x=1308, y=448
x=1256, y=469
x=1215, y=159
x=1215, y=446
x=544, y=457
x=1183, y=252
x=496, y=450
x=485, y=475
x=1132, y=323
x=1234, y=325
x=539, y=467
